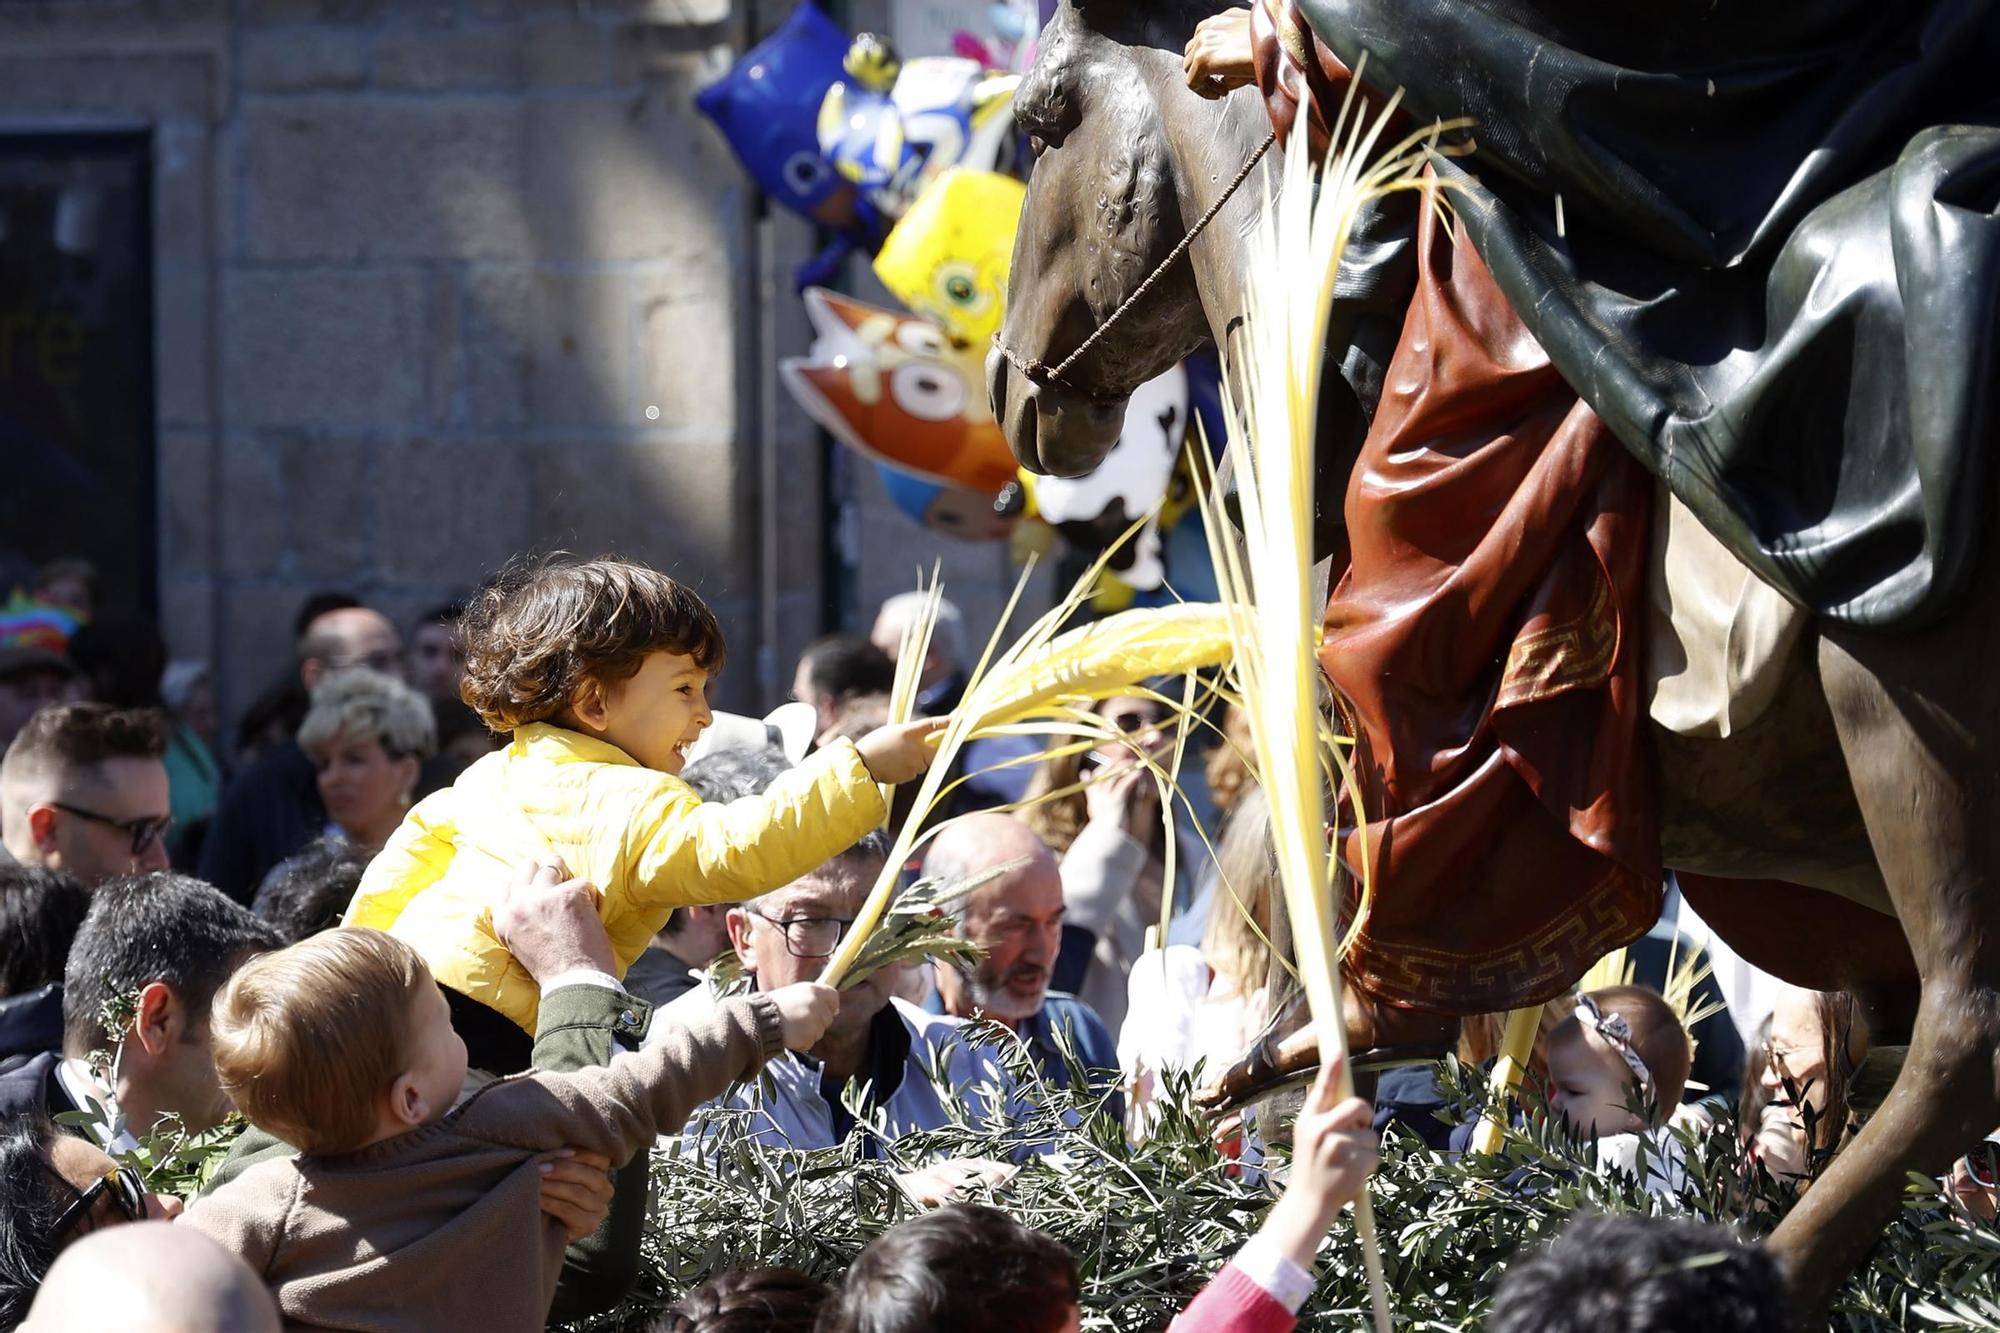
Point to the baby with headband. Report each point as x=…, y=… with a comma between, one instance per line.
x=1623, y=1049
x=1617, y=1068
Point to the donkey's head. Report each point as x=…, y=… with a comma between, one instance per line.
x=1104, y=210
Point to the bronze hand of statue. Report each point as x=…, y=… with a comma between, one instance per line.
x=1378, y=1036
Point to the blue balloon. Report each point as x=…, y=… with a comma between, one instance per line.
x=767, y=107
x=1204, y=374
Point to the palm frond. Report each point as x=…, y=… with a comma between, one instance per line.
x=1270, y=398
x=911, y=656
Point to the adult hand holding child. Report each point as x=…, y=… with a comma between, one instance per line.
x=549, y=920
x=577, y=1190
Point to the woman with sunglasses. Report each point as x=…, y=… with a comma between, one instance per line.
x=1106, y=825
x=1796, y=1107
x=54, y=1189
x=1974, y=1182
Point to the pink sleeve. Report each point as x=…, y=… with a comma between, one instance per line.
x=1233, y=1303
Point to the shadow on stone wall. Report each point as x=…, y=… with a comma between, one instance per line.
x=480, y=297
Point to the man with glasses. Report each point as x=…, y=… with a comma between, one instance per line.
x=273, y=808
x=83, y=789
x=56, y=1190
x=877, y=1041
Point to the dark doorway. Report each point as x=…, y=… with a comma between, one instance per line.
x=76, y=360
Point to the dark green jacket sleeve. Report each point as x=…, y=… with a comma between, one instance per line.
x=252, y=1146
x=574, y=1030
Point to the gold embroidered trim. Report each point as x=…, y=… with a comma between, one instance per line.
x=1575, y=655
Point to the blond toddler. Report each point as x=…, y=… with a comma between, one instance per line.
x=407, y=1208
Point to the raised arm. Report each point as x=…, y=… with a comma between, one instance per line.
x=620, y=1109
x=1105, y=861
x=550, y=923
x=681, y=850
x=1334, y=1151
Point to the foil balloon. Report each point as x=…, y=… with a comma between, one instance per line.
x=891, y=386
x=767, y=107
x=949, y=256
x=891, y=127
x=1094, y=511
x=1210, y=424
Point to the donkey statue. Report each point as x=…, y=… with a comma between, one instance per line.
x=1861, y=811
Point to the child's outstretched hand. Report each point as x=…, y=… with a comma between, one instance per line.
x=903, y=752
x=806, y=1008
x=1334, y=1151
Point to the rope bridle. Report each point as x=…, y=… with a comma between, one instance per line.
x=1037, y=371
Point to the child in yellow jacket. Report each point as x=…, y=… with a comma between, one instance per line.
x=600, y=669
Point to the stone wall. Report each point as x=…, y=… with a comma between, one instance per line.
x=440, y=281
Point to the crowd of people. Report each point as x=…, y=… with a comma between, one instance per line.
x=442, y=924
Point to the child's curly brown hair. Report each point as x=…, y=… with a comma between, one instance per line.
x=541, y=628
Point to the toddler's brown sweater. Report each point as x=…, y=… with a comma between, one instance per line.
x=441, y=1228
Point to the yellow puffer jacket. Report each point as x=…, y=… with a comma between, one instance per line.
x=643, y=837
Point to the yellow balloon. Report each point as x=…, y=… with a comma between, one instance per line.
x=949, y=256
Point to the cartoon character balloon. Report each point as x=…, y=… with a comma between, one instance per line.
x=949, y=256
x=891, y=386
x=768, y=107
x=1094, y=511
x=892, y=126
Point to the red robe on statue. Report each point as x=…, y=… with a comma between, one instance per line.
x=1484, y=640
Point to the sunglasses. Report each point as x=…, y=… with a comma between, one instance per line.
x=122, y=1183
x=143, y=831
x=1134, y=720
x=1983, y=1165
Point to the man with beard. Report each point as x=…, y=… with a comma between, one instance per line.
x=1017, y=919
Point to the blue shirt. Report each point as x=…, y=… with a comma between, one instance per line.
x=790, y=1104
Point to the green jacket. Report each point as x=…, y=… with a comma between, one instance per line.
x=575, y=1029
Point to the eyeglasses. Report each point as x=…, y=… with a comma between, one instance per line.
x=809, y=936
x=143, y=831
x=1132, y=720
x=126, y=1190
